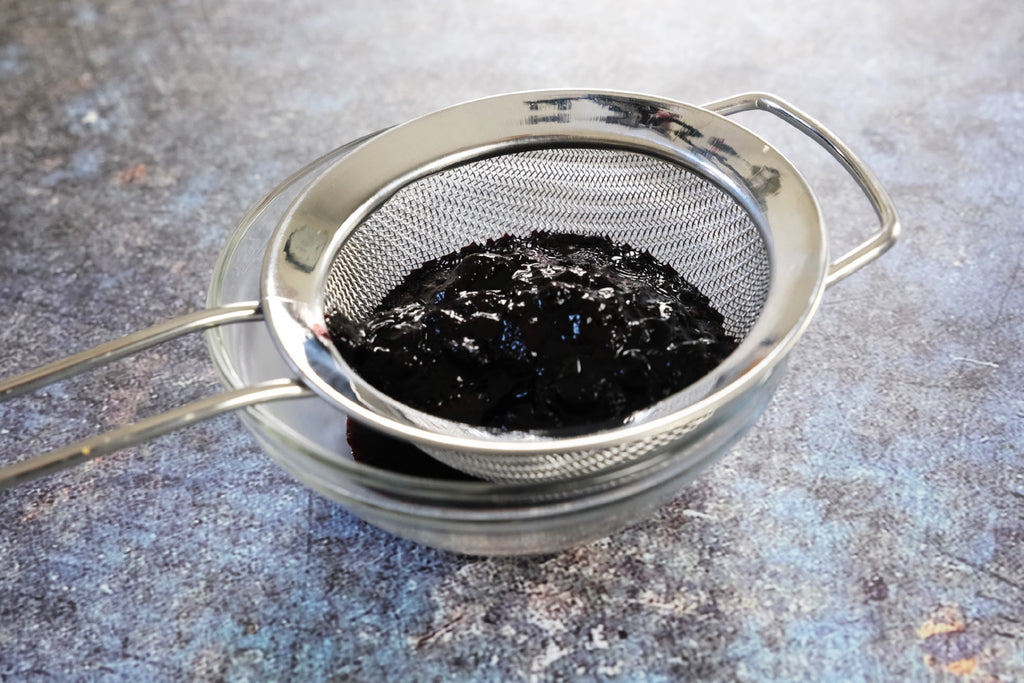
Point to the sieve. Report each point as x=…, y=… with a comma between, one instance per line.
x=697, y=190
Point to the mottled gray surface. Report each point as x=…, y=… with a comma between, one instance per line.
x=869, y=528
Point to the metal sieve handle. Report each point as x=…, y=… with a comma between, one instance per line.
x=125, y=346
x=886, y=236
x=152, y=427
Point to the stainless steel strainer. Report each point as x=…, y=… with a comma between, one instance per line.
x=698, y=191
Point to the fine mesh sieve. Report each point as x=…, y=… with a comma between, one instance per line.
x=695, y=189
x=681, y=218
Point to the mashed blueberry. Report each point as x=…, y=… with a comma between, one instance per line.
x=541, y=332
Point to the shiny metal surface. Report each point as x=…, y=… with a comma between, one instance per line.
x=245, y=311
x=887, y=233
x=149, y=428
x=115, y=440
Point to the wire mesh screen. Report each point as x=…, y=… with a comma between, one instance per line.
x=654, y=205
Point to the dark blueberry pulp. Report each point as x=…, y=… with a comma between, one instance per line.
x=545, y=332
x=372, y=448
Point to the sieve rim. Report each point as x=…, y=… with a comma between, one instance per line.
x=790, y=220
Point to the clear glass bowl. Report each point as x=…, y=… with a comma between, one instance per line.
x=307, y=437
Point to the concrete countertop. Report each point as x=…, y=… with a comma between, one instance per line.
x=870, y=526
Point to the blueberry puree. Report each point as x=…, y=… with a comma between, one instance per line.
x=543, y=332
x=372, y=448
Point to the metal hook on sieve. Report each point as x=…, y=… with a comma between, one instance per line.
x=886, y=235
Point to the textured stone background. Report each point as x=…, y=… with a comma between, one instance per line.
x=869, y=528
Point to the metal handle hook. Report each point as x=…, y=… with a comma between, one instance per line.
x=886, y=235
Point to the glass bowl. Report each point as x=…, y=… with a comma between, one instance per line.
x=307, y=437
